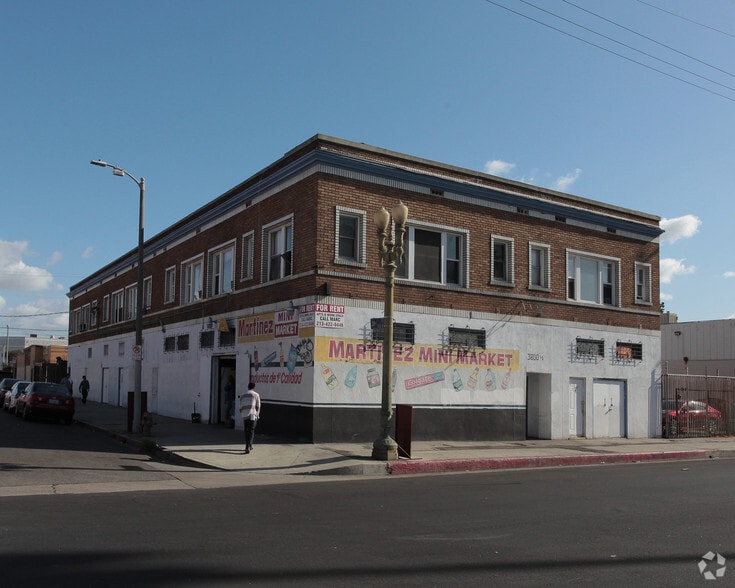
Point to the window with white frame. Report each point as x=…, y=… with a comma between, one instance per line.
x=84, y=320
x=191, y=280
x=434, y=254
x=118, y=306
x=131, y=301
x=93, y=314
x=106, y=309
x=349, y=244
x=76, y=320
x=278, y=249
x=501, y=264
x=642, y=283
x=147, y=292
x=170, y=285
x=539, y=266
x=221, y=270
x=592, y=278
x=248, y=253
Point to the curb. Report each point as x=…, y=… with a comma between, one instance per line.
x=497, y=463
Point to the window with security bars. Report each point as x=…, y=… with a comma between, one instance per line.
x=627, y=350
x=590, y=347
x=469, y=338
x=206, y=339
x=227, y=338
x=402, y=332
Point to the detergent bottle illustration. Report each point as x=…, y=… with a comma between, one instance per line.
x=490, y=381
x=292, y=358
x=457, y=380
x=506, y=380
x=329, y=377
x=351, y=377
x=472, y=381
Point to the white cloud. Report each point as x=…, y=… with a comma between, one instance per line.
x=497, y=167
x=87, y=253
x=15, y=274
x=55, y=258
x=666, y=297
x=674, y=267
x=562, y=183
x=681, y=227
x=728, y=275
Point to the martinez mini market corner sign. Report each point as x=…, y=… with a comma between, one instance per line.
x=290, y=323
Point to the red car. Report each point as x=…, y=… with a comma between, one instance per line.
x=691, y=417
x=46, y=399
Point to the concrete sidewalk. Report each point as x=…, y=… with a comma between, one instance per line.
x=217, y=447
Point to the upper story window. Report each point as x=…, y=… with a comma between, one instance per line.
x=147, y=292
x=84, y=320
x=278, y=249
x=434, y=255
x=131, y=302
x=593, y=278
x=118, y=306
x=76, y=320
x=191, y=280
x=170, y=285
x=248, y=254
x=501, y=265
x=642, y=283
x=350, y=232
x=539, y=266
x=105, y=308
x=93, y=314
x=221, y=270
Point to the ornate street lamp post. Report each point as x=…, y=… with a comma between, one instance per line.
x=391, y=255
x=138, y=350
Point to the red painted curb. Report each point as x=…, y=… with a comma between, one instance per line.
x=497, y=463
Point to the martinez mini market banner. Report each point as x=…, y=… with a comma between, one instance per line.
x=356, y=365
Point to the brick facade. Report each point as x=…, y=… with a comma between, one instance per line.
x=308, y=185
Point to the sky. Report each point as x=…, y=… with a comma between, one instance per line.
x=628, y=102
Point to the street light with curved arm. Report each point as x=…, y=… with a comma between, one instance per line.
x=138, y=352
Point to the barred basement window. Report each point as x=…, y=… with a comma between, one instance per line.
x=227, y=338
x=471, y=338
x=182, y=343
x=590, y=347
x=402, y=332
x=169, y=344
x=627, y=350
x=206, y=339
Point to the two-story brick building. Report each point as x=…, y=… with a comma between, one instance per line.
x=519, y=311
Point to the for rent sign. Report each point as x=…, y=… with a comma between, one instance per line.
x=326, y=316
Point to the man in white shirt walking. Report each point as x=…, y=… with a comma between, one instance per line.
x=250, y=413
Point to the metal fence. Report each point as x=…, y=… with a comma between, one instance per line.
x=697, y=406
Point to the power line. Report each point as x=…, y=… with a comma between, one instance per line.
x=687, y=19
x=563, y=32
x=33, y=315
x=650, y=39
x=589, y=30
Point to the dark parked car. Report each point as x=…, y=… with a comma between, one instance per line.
x=10, y=398
x=46, y=399
x=690, y=417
